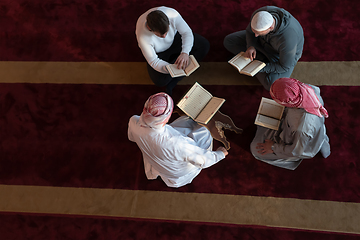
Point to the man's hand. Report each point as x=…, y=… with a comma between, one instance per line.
x=250, y=53
x=223, y=150
x=265, y=148
x=182, y=61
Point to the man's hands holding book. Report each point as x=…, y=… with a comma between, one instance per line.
x=251, y=53
x=182, y=61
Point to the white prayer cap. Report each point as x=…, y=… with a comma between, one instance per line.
x=261, y=21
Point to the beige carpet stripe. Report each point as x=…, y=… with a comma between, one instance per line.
x=263, y=211
x=218, y=73
x=328, y=216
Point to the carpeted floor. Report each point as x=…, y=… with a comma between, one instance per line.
x=85, y=30
x=76, y=136
x=79, y=227
x=67, y=170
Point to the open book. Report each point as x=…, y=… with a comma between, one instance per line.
x=245, y=65
x=199, y=104
x=269, y=114
x=175, y=72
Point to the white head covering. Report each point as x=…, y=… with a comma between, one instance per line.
x=157, y=110
x=261, y=21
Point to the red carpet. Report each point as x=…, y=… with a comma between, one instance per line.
x=15, y=226
x=84, y=30
x=76, y=135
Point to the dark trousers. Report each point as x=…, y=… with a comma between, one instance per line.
x=236, y=42
x=199, y=50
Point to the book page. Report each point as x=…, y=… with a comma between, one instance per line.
x=193, y=65
x=253, y=68
x=270, y=108
x=269, y=114
x=209, y=110
x=267, y=122
x=174, y=71
x=194, y=100
x=239, y=61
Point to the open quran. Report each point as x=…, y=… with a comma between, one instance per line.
x=199, y=104
x=269, y=114
x=245, y=66
x=175, y=72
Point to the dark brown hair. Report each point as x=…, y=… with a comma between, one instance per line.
x=157, y=21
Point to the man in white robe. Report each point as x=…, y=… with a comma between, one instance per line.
x=302, y=132
x=176, y=152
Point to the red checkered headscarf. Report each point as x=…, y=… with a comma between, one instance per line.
x=157, y=110
x=293, y=93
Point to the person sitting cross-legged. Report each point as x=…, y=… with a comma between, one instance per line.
x=176, y=152
x=273, y=36
x=165, y=38
x=302, y=132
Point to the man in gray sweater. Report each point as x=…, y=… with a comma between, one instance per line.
x=273, y=36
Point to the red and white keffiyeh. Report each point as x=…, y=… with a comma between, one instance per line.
x=157, y=110
x=293, y=93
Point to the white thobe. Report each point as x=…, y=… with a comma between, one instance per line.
x=176, y=152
